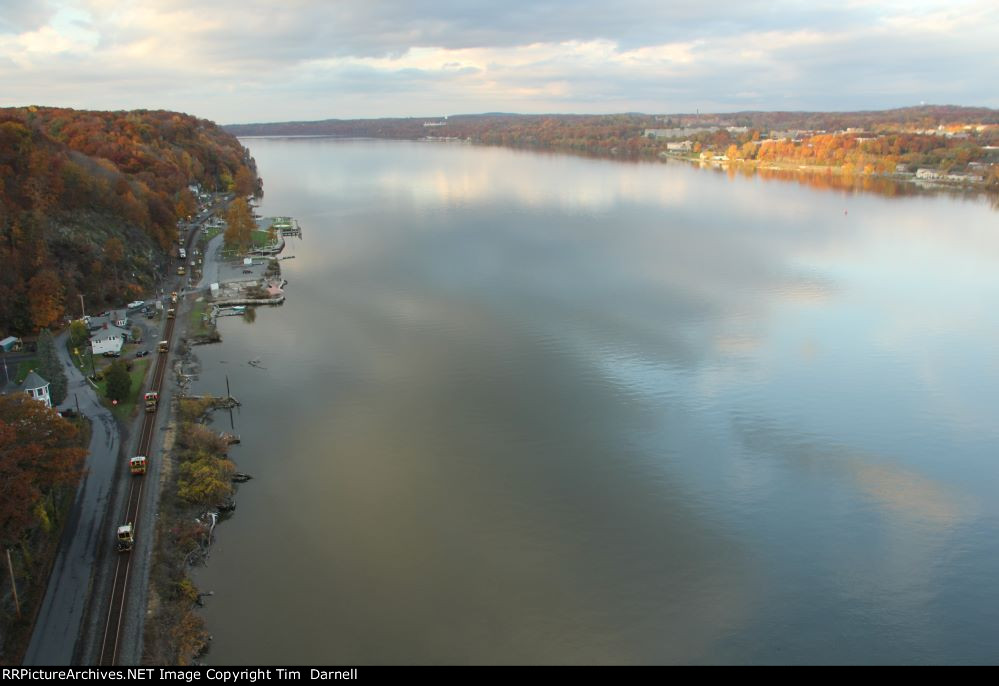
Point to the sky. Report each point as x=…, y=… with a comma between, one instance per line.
x=241, y=61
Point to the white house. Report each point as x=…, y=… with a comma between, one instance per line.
x=38, y=388
x=108, y=339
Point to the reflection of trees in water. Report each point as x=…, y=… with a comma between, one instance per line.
x=826, y=179
x=250, y=315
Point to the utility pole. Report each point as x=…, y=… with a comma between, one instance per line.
x=232, y=424
x=83, y=313
x=13, y=585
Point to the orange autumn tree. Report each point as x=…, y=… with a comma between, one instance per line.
x=38, y=453
x=45, y=298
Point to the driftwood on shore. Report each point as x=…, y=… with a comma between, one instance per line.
x=224, y=401
x=204, y=339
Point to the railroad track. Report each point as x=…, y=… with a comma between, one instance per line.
x=123, y=565
x=110, y=645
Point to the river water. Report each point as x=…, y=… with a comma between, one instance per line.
x=531, y=408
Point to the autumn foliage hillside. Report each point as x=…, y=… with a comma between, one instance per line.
x=89, y=203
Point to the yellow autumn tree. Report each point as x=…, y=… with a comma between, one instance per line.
x=239, y=225
x=45, y=298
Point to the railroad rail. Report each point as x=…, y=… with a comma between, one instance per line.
x=123, y=565
x=111, y=642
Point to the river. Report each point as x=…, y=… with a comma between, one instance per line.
x=539, y=409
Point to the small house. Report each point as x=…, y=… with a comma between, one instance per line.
x=37, y=388
x=10, y=344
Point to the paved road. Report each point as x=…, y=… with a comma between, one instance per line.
x=58, y=625
x=210, y=268
x=57, y=633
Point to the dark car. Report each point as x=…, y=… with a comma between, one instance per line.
x=142, y=353
x=110, y=353
x=68, y=414
x=247, y=271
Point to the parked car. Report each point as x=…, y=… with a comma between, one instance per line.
x=247, y=271
x=150, y=314
x=135, y=304
x=142, y=353
x=111, y=353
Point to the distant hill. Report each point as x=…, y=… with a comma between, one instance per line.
x=923, y=116
x=483, y=127
x=89, y=203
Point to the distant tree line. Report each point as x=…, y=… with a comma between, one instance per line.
x=886, y=138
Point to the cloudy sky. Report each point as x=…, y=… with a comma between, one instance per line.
x=238, y=61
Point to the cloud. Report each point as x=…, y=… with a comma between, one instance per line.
x=228, y=60
x=19, y=16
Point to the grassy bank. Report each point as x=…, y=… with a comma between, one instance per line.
x=198, y=323
x=24, y=368
x=196, y=480
x=124, y=409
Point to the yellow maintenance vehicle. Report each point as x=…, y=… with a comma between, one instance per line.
x=126, y=538
x=163, y=347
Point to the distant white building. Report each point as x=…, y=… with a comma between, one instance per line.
x=37, y=388
x=682, y=146
x=958, y=177
x=679, y=132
